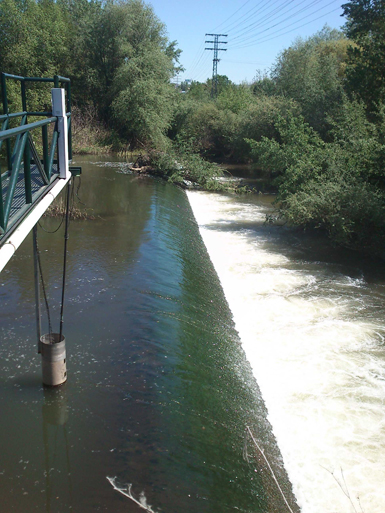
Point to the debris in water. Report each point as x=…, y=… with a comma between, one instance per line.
x=142, y=502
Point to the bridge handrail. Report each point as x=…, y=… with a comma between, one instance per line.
x=11, y=132
x=3, y=117
x=56, y=80
x=24, y=152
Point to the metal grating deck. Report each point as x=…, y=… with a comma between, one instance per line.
x=19, y=207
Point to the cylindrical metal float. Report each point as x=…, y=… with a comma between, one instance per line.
x=53, y=352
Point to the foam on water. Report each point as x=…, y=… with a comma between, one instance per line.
x=318, y=360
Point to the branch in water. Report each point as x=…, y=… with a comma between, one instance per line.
x=346, y=490
x=142, y=502
x=268, y=464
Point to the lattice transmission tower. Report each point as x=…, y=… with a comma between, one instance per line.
x=216, y=48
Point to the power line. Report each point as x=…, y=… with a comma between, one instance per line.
x=260, y=41
x=229, y=18
x=203, y=70
x=238, y=22
x=195, y=60
x=262, y=20
x=193, y=68
x=287, y=18
x=244, y=62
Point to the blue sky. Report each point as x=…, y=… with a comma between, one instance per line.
x=258, y=30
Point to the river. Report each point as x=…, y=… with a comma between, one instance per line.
x=311, y=321
x=159, y=392
x=184, y=335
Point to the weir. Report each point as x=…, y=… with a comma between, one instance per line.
x=160, y=392
x=311, y=320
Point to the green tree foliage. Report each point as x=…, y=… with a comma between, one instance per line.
x=264, y=85
x=311, y=72
x=259, y=119
x=117, y=54
x=33, y=37
x=337, y=186
x=219, y=127
x=234, y=98
x=142, y=105
x=130, y=63
x=209, y=128
x=366, y=71
x=34, y=42
x=200, y=91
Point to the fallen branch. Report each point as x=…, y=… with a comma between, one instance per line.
x=268, y=464
x=346, y=490
x=142, y=502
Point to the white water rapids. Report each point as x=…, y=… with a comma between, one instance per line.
x=317, y=351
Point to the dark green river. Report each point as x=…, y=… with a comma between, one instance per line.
x=159, y=391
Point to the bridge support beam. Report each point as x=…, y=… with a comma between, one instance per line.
x=8, y=249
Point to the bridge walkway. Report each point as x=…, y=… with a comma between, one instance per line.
x=19, y=206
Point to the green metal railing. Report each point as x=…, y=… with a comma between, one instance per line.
x=23, y=152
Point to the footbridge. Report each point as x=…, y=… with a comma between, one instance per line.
x=35, y=151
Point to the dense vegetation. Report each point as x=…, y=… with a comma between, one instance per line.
x=116, y=52
x=314, y=125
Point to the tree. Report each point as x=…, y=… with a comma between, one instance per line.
x=141, y=64
x=263, y=84
x=34, y=41
x=235, y=98
x=311, y=72
x=200, y=91
x=366, y=70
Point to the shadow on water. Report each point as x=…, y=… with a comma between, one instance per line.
x=159, y=391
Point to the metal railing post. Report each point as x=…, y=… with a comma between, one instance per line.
x=2, y=222
x=23, y=95
x=14, y=175
x=45, y=151
x=5, y=111
x=59, y=111
x=27, y=173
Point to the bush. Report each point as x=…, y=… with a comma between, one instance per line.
x=89, y=136
x=258, y=120
x=336, y=186
x=353, y=213
x=210, y=130
x=180, y=164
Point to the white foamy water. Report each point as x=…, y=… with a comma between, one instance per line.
x=316, y=352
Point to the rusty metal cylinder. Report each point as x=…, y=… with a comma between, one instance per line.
x=53, y=352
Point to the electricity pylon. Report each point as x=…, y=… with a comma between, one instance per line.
x=216, y=42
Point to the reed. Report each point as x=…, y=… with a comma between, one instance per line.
x=58, y=209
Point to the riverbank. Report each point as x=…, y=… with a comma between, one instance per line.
x=190, y=171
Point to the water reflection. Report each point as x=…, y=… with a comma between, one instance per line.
x=58, y=475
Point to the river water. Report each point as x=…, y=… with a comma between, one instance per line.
x=185, y=335
x=311, y=321
x=159, y=393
